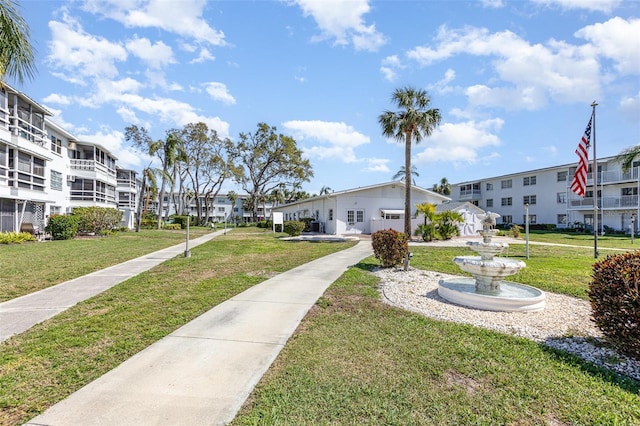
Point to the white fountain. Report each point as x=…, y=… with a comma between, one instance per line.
x=487, y=290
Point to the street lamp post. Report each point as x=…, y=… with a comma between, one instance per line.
x=633, y=228
x=187, y=252
x=526, y=228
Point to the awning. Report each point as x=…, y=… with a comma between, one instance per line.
x=392, y=211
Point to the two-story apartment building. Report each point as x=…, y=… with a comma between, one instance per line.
x=550, y=201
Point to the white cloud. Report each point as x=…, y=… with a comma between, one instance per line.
x=80, y=54
x=459, y=142
x=343, y=22
x=155, y=55
x=58, y=99
x=630, y=107
x=333, y=140
x=492, y=4
x=616, y=39
x=219, y=92
x=593, y=5
x=378, y=165
x=390, y=67
x=204, y=56
x=183, y=18
x=442, y=86
x=529, y=74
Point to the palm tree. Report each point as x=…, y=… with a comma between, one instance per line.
x=325, y=190
x=401, y=174
x=414, y=121
x=16, y=53
x=443, y=188
x=627, y=156
x=171, y=151
x=233, y=197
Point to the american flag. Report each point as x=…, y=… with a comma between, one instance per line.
x=579, y=182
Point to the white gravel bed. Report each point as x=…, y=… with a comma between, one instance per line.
x=564, y=324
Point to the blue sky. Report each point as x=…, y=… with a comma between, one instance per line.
x=513, y=80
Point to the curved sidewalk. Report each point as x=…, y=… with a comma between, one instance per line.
x=202, y=373
x=20, y=314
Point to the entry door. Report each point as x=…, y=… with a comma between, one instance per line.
x=355, y=221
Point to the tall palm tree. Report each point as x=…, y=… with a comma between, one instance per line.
x=627, y=156
x=414, y=121
x=171, y=151
x=401, y=174
x=16, y=53
x=233, y=197
x=444, y=187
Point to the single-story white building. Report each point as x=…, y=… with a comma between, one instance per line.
x=470, y=212
x=362, y=210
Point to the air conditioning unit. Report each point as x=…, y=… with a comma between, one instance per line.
x=71, y=178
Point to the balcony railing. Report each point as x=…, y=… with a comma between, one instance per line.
x=33, y=132
x=612, y=176
x=622, y=202
x=470, y=194
x=92, y=166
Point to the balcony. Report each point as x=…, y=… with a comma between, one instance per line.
x=92, y=166
x=624, y=202
x=473, y=194
x=612, y=176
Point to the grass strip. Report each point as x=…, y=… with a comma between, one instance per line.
x=356, y=360
x=30, y=267
x=53, y=359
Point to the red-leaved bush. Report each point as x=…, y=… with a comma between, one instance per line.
x=615, y=300
x=390, y=247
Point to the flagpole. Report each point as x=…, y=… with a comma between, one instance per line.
x=595, y=183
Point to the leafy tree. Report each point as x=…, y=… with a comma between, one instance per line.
x=627, y=156
x=268, y=160
x=414, y=121
x=16, y=52
x=233, y=197
x=207, y=164
x=444, y=187
x=401, y=174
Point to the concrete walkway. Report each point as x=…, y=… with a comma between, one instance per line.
x=202, y=373
x=20, y=314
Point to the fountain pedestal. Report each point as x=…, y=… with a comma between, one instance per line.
x=487, y=289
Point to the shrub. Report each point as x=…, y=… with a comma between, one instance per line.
x=390, y=247
x=266, y=224
x=171, y=226
x=427, y=231
x=448, y=224
x=293, y=227
x=182, y=221
x=614, y=293
x=62, y=227
x=97, y=220
x=15, y=237
x=515, y=231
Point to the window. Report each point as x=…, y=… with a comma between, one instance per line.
x=29, y=172
x=56, y=180
x=528, y=180
x=532, y=218
x=474, y=202
x=489, y=187
x=330, y=214
x=561, y=198
x=56, y=145
x=507, y=218
x=391, y=216
x=220, y=209
x=561, y=219
x=505, y=184
x=529, y=199
x=360, y=216
x=490, y=202
x=3, y=159
x=350, y=216
x=562, y=176
x=507, y=201
x=55, y=210
x=629, y=191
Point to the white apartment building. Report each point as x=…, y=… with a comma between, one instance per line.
x=550, y=201
x=44, y=169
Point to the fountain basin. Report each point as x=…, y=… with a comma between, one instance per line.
x=496, y=267
x=508, y=297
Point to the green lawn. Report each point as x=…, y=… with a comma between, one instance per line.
x=57, y=357
x=357, y=361
x=581, y=239
x=33, y=266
